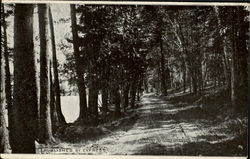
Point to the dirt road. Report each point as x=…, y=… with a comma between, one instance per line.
x=164, y=129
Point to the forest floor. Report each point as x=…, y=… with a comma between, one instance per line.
x=179, y=124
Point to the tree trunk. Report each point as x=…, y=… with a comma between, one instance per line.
x=193, y=77
x=133, y=93
x=138, y=95
x=4, y=135
x=233, y=66
x=184, y=77
x=139, y=86
x=195, y=86
x=163, y=75
x=23, y=124
x=56, y=88
x=93, y=100
x=225, y=68
x=105, y=99
x=105, y=90
x=243, y=27
x=7, y=67
x=222, y=49
x=117, y=101
x=125, y=96
x=199, y=72
x=45, y=118
x=79, y=67
x=241, y=37
x=145, y=84
x=53, y=113
x=112, y=96
x=4, y=140
x=190, y=78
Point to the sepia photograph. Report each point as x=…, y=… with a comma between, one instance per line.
x=124, y=79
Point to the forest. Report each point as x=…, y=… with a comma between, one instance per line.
x=141, y=79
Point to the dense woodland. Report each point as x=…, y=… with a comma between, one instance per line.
x=120, y=53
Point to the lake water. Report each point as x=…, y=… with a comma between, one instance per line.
x=70, y=107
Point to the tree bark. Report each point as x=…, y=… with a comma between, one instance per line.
x=222, y=48
x=23, y=124
x=133, y=93
x=117, y=101
x=105, y=90
x=45, y=118
x=125, y=97
x=56, y=84
x=163, y=75
x=79, y=68
x=240, y=86
x=4, y=140
x=53, y=113
x=4, y=135
x=8, y=93
x=93, y=99
x=233, y=65
x=243, y=27
x=139, y=86
x=184, y=77
x=145, y=84
x=105, y=99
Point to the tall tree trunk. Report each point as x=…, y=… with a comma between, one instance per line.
x=137, y=95
x=7, y=67
x=163, y=72
x=79, y=68
x=105, y=90
x=4, y=138
x=133, y=93
x=58, y=110
x=184, y=77
x=225, y=67
x=190, y=84
x=233, y=65
x=241, y=37
x=222, y=48
x=190, y=77
x=53, y=113
x=193, y=78
x=139, y=85
x=243, y=28
x=23, y=124
x=105, y=99
x=45, y=118
x=4, y=135
x=125, y=96
x=145, y=84
x=117, y=101
x=199, y=71
x=93, y=99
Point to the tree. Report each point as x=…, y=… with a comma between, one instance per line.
x=94, y=28
x=162, y=56
x=4, y=137
x=222, y=46
x=23, y=123
x=55, y=85
x=53, y=113
x=239, y=59
x=8, y=93
x=45, y=116
x=3, y=129
x=79, y=70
